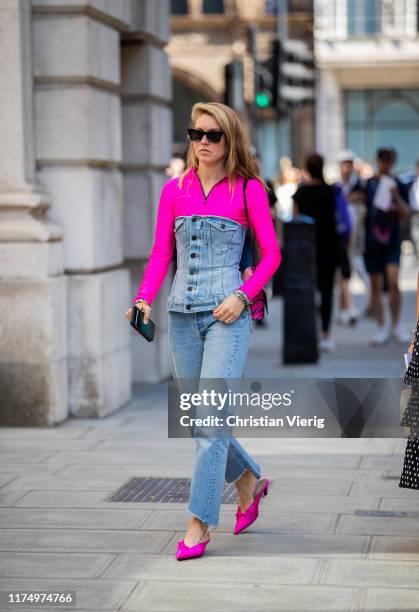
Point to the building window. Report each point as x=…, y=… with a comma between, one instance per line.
x=271, y=7
x=382, y=117
x=179, y=7
x=213, y=7
x=364, y=17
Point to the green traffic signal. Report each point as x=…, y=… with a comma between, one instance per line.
x=263, y=99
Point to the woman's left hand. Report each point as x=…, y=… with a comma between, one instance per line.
x=229, y=310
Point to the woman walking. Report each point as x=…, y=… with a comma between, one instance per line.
x=316, y=199
x=210, y=325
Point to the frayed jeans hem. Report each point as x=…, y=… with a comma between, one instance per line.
x=209, y=526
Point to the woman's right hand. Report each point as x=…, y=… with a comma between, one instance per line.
x=144, y=307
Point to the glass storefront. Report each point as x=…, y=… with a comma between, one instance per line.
x=382, y=117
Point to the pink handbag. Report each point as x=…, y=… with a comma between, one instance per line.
x=260, y=301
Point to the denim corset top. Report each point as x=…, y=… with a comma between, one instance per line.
x=209, y=249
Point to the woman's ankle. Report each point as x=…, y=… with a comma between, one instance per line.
x=246, y=480
x=196, y=530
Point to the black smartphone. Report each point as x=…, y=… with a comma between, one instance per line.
x=137, y=321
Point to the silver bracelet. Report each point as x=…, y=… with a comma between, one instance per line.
x=242, y=297
x=139, y=301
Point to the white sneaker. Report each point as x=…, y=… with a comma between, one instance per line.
x=353, y=316
x=400, y=335
x=381, y=337
x=344, y=317
x=326, y=345
x=348, y=317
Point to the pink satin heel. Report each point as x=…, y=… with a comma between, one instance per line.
x=246, y=518
x=190, y=552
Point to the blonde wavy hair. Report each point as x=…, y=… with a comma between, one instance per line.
x=238, y=159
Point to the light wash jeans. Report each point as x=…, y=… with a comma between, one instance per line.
x=201, y=346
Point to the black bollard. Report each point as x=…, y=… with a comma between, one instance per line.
x=299, y=284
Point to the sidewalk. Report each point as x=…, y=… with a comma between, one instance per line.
x=335, y=533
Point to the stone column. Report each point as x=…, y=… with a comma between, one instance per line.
x=33, y=292
x=330, y=129
x=78, y=123
x=147, y=138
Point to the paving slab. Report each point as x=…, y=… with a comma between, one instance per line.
x=408, y=504
x=67, y=483
x=378, y=525
x=223, y=570
x=391, y=462
x=284, y=486
x=23, y=455
x=320, y=503
x=83, y=540
x=384, y=488
x=9, y=477
x=265, y=544
x=396, y=548
x=102, y=458
x=40, y=445
x=27, y=468
x=371, y=573
x=65, y=499
x=100, y=594
x=183, y=597
x=268, y=522
x=391, y=600
x=53, y=565
x=13, y=518
x=9, y=496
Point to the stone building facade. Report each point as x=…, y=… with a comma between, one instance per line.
x=85, y=127
x=367, y=55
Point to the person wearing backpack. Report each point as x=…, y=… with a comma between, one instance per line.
x=386, y=206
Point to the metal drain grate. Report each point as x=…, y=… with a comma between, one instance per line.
x=164, y=490
x=387, y=513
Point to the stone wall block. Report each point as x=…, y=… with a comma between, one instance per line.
x=119, y=10
x=79, y=123
x=145, y=129
x=33, y=351
x=146, y=71
x=88, y=205
x=100, y=343
x=96, y=53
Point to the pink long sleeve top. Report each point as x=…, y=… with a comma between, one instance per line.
x=189, y=200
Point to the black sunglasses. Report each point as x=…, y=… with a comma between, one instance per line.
x=197, y=135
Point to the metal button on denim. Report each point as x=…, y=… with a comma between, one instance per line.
x=216, y=258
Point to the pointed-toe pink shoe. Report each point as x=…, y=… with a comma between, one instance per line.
x=246, y=518
x=190, y=552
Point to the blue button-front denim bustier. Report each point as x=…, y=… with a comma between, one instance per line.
x=209, y=250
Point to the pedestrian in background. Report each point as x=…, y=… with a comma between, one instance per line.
x=316, y=199
x=386, y=206
x=352, y=257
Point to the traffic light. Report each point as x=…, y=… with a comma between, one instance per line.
x=293, y=73
x=263, y=84
x=234, y=85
